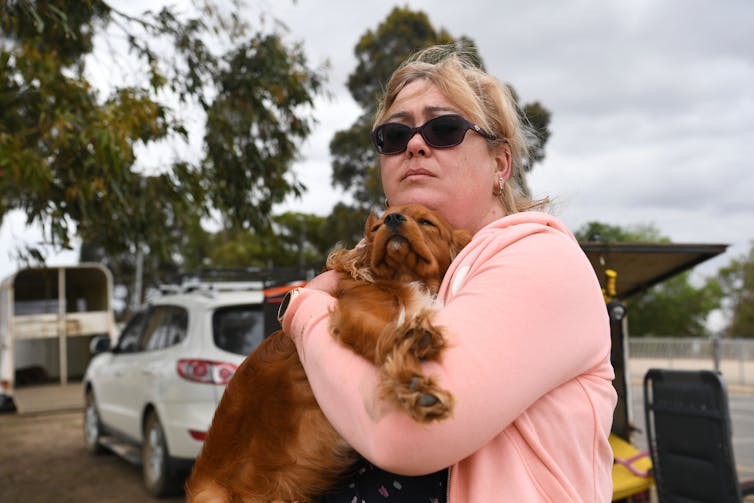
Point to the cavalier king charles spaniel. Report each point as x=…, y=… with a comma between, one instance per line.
x=269, y=441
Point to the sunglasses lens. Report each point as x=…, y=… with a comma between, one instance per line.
x=392, y=138
x=445, y=131
x=441, y=132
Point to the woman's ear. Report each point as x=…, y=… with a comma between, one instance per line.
x=504, y=162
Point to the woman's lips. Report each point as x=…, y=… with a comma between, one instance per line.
x=416, y=173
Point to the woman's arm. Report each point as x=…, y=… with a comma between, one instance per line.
x=528, y=317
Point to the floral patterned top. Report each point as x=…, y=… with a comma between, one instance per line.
x=370, y=484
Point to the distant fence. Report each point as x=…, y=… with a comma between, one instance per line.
x=733, y=357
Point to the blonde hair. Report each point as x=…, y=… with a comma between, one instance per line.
x=483, y=100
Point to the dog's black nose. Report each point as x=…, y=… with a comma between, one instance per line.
x=393, y=220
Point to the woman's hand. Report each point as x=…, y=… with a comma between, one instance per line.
x=326, y=282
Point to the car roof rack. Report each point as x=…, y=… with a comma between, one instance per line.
x=211, y=280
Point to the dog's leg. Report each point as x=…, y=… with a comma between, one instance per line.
x=396, y=339
x=412, y=322
x=426, y=340
x=404, y=383
x=403, y=344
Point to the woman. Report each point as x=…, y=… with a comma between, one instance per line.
x=529, y=346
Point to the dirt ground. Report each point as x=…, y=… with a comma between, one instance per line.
x=42, y=459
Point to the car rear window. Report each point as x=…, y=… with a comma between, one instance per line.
x=238, y=329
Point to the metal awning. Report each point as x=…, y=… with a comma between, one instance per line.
x=642, y=265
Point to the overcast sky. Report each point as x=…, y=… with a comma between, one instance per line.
x=652, y=105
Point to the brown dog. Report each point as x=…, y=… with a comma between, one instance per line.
x=269, y=441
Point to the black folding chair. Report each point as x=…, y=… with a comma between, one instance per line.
x=689, y=437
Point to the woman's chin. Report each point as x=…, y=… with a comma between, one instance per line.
x=431, y=201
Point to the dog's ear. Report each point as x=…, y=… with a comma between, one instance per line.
x=460, y=238
x=356, y=261
x=353, y=262
x=372, y=219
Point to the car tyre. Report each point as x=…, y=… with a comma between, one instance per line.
x=159, y=478
x=93, y=430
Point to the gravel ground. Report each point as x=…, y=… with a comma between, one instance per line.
x=42, y=459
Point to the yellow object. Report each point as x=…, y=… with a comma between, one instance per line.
x=625, y=481
x=611, y=277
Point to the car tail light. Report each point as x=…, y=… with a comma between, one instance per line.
x=206, y=371
x=198, y=435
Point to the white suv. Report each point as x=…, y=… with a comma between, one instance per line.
x=151, y=398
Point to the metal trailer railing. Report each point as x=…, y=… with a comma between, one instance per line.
x=733, y=357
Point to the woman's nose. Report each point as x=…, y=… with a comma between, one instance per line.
x=416, y=144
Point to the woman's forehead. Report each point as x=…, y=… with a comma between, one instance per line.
x=419, y=98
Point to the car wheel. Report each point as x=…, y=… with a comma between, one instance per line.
x=92, y=425
x=158, y=476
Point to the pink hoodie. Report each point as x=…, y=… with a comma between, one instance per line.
x=528, y=364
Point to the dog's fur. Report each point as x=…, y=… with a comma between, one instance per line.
x=269, y=441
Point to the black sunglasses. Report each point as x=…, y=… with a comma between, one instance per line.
x=441, y=132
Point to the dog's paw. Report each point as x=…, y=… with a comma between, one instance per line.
x=415, y=338
x=418, y=395
x=424, y=400
x=425, y=340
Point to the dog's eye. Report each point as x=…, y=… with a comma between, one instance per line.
x=424, y=221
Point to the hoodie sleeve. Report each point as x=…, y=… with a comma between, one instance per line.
x=523, y=314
